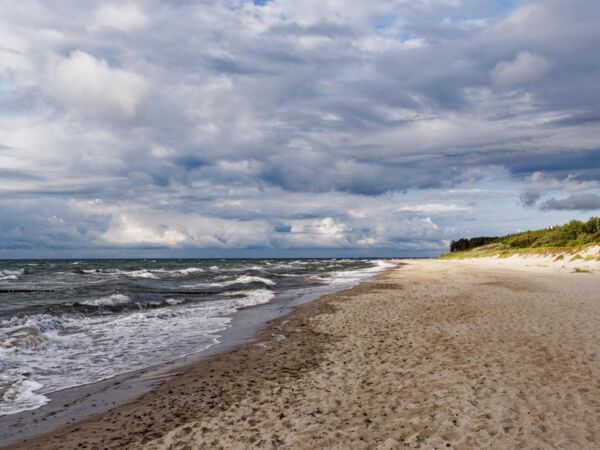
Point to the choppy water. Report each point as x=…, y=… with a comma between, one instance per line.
x=67, y=323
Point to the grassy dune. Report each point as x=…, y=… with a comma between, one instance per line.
x=565, y=241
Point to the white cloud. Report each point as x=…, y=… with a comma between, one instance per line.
x=242, y=168
x=161, y=151
x=128, y=231
x=11, y=60
x=525, y=68
x=149, y=227
x=125, y=17
x=395, y=231
x=570, y=183
x=92, y=86
x=432, y=208
x=541, y=184
x=324, y=233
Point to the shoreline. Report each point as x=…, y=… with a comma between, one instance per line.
x=80, y=403
x=434, y=354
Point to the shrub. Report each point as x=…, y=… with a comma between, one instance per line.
x=571, y=235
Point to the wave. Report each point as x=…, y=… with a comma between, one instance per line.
x=9, y=277
x=351, y=277
x=17, y=272
x=112, y=300
x=176, y=272
x=97, y=335
x=139, y=274
x=19, y=395
x=142, y=273
x=20, y=333
x=173, y=301
x=252, y=297
x=11, y=274
x=84, y=349
x=242, y=279
x=22, y=337
x=245, y=279
x=188, y=271
x=163, y=303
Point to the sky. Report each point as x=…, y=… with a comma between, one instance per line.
x=234, y=128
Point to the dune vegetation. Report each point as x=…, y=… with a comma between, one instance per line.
x=572, y=237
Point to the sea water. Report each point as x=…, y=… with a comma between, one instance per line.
x=65, y=323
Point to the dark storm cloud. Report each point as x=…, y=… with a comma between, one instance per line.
x=586, y=163
x=582, y=202
x=530, y=197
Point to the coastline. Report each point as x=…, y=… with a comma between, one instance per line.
x=80, y=403
x=434, y=354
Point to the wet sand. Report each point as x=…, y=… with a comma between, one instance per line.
x=75, y=404
x=435, y=354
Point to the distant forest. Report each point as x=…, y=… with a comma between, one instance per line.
x=467, y=244
x=573, y=234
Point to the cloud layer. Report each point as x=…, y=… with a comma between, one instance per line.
x=287, y=125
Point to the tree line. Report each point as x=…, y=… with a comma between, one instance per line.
x=573, y=234
x=467, y=244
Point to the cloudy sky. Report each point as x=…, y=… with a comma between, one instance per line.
x=286, y=127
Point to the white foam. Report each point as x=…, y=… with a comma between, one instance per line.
x=176, y=272
x=251, y=267
x=144, y=273
x=28, y=335
x=6, y=275
x=252, y=297
x=245, y=279
x=9, y=277
x=115, y=272
x=21, y=393
x=174, y=301
x=348, y=278
x=31, y=333
x=189, y=270
x=12, y=272
x=139, y=274
x=112, y=300
x=84, y=349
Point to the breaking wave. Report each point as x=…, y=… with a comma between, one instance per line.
x=113, y=300
x=78, y=322
x=11, y=274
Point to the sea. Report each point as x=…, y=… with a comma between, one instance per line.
x=66, y=323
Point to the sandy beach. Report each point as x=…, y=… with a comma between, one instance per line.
x=433, y=354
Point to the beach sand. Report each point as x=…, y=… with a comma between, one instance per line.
x=434, y=354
